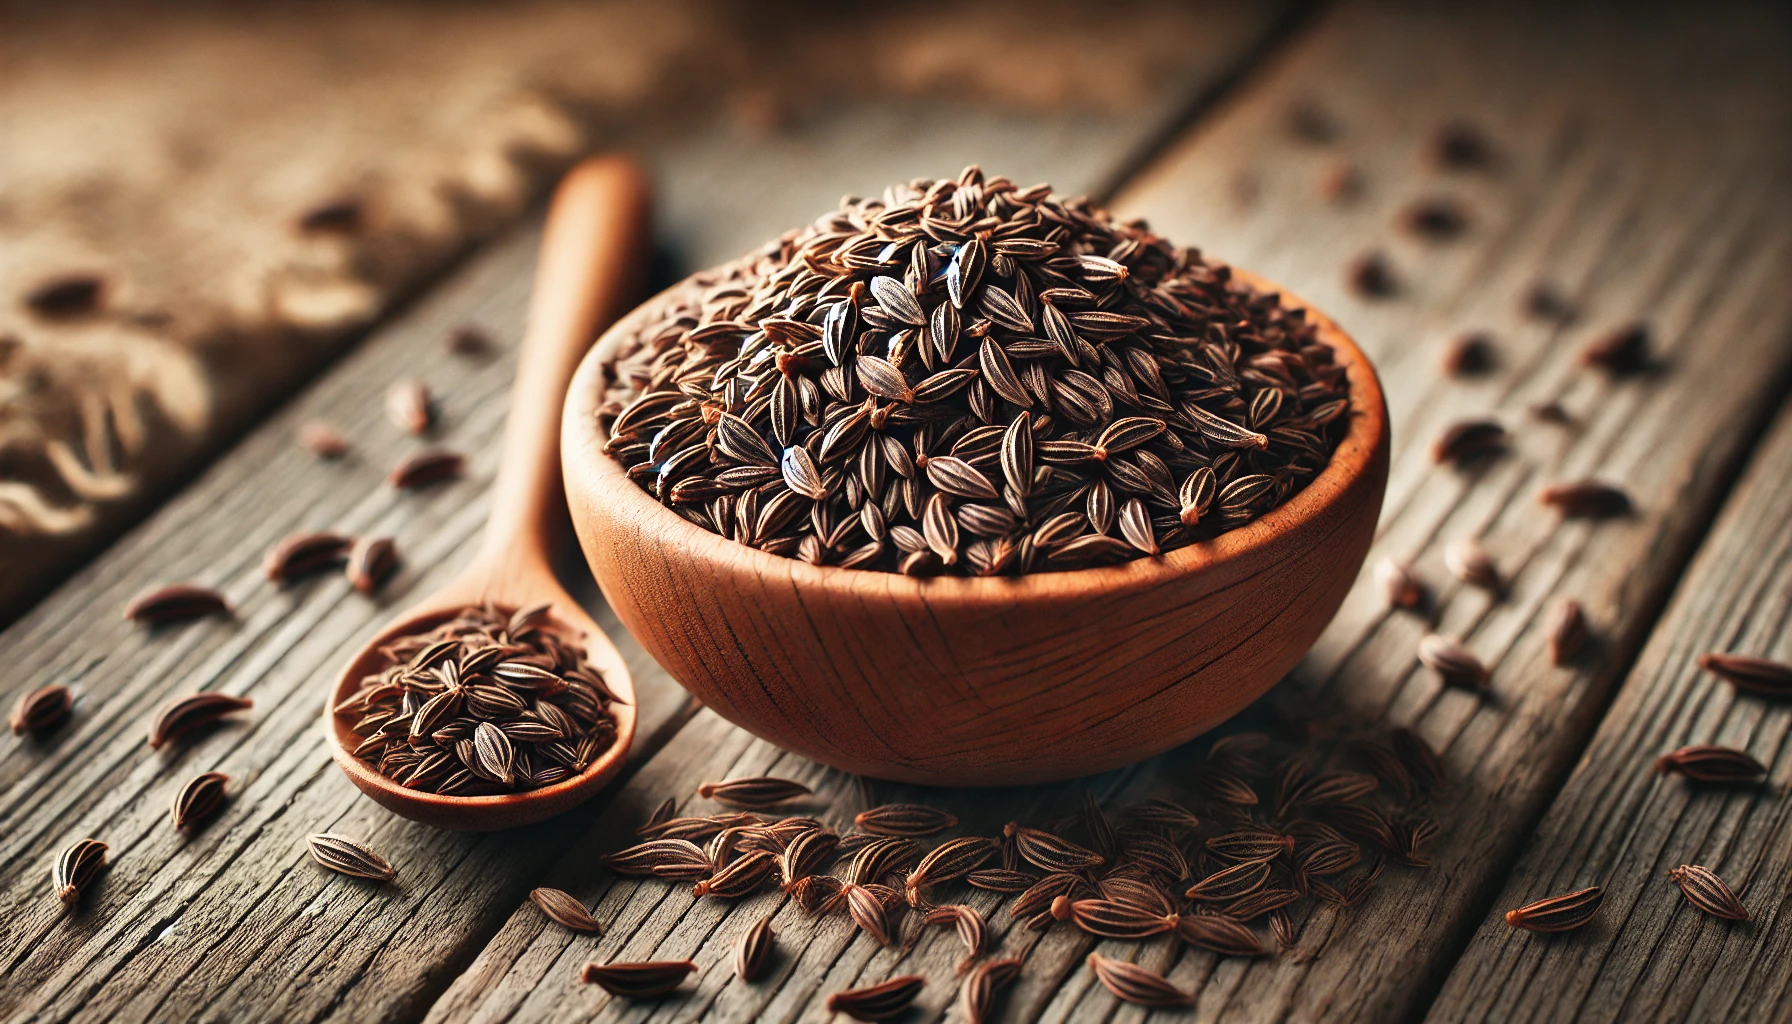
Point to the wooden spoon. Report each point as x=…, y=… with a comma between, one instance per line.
x=591, y=257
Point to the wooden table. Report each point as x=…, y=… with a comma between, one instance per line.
x=1638, y=166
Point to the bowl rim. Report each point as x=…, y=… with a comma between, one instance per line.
x=597, y=479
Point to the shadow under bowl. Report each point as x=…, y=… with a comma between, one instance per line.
x=979, y=681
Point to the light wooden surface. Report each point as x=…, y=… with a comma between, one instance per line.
x=236, y=922
x=1640, y=167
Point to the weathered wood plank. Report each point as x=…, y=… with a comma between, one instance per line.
x=1617, y=824
x=235, y=922
x=1610, y=180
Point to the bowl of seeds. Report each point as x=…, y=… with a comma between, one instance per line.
x=972, y=484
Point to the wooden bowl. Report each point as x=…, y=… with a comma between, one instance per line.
x=979, y=681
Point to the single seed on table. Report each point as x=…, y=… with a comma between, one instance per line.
x=753, y=950
x=644, y=980
x=984, y=984
x=427, y=467
x=1231, y=883
x=1706, y=891
x=1438, y=218
x=181, y=602
x=1218, y=934
x=1398, y=584
x=739, y=877
x=969, y=925
x=1543, y=300
x=1469, y=562
x=1558, y=913
x=180, y=717
x=1706, y=763
x=1137, y=985
x=565, y=909
x=1459, y=146
x=370, y=561
x=1447, y=656
x=1750, y=675
x=68, y=295
x=1624, y=350
x=322, y=440
x=340, y=216
x=1567, y=629
x=76, y=869
x=1329, y=789
x=301, y=554
x=753, y=793
x=878, y=1002
x=199, y=799
x=1249, y=844
x=1586, y=499
x=408, y=406
x=665, y=858
x=1468, y=354
x=867, y=912
x=1039, y=897
x=1049, y=852
x=1263, y=901
x=348, y=856
x=1111, y=920
x=1370, y=276
x=1468, y=440
x=1549, y=412
x=469, y=341
x=904, y=820
x=41, y=710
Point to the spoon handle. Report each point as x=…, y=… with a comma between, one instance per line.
x=592, y=256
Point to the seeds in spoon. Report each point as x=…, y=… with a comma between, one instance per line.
x=1707, y=763
x=42, y=710
x=753, y=950
x=1558, y=913
x=1137, y=985
x=199, y=799
x=1751, y=675
x=639, y=980
x=1703, y=889
x=181, y=602
x=348, y=856
x=76, y=869
x=183, y=716
x=565, y=909
x=754, y=793
x=878, y=1002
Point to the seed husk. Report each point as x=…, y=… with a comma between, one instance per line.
x=1706, y=891
x=565, y=909
x=1558, y=913
x=1231, y=883
x=301, y=554
x=181, y=602
x=322, y=440
x=1586, y=499
x=181, y=717
x=1567, y=629
x=1469, y=562
x=1399, y=585
x=753, y=950
x=199, y=799
x=409, y=407
x=639, y=980
x=984, y=984
x=1447, y=656
x=878, y=1002
x=349, y=856
x=904, y=820
x=1707, y=763
x=1751, y=675
x=42, y=710
x=755, y=793
x=76, y=868
x=427, y=467
x=1624, y=350
x=1467, y=440
x=1137, y=985
x=370, y=561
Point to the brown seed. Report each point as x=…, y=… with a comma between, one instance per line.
x=76, y=868
x=903, y=820
x=181, y=602
x=1135, y=984
x=1001, y=880
x=867, y=912
x=1460, y=146
x=1712, y=764
x=1339, y=181
x=41, y=710
x=322, y=440
x=427, y=467
x=1619, y=352
x=69, y=295
x=1751, y=675
x=348, y=856
x=180, y=717
x=1550, y=412
x=1468, y=440
x=952, y=859
x=1112, y=920
x=1398, y=584
x=1329, y=789
x=969, y=925
x=1040, y=895
x=1469, y=562
x=1263, y=901
x=1370, y=276
x=638, y=980
x=1468, y=355
x=1231, y=883
x=199, y=799
x=409, y=407
x=1706, y=891
x=370, y=561
x=878, y=1002
x=1437, y=218
x=1223, y=935
x=984, y=984
x=1447, y=656
x=1544, y=301
x=1567, y=629
x=469, y=340
x=301, y=554
x=1586, y=499
x=754, y=949
x=663, y=858
x=1250, y=844
x=753, y=793
x=334, y=216
x=1051, y=853
x=739, y=877
x=565, y=909
x=1558, y=913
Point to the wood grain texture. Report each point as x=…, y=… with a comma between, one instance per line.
x=1649, y=956
x=1612, y=178
x=946, y=681
x=236, y=922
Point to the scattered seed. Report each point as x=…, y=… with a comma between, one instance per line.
x=1751, y=675
x=1438, y=219
x=301, y=554
x=335, y=216
x=181, y=717
x=1219, y=934
x=903, y=820
x=565, y=909
x=1469, y=355
x=1706, y=891
x=69, y=295
x=199, y=799
x=181, y=602
x=348, y=856
x=754, y=793
x=1049, y=852
x=1705, y=763
x=42, y=710
x=754, y=949
x=427, y=467
x=1447, y=656
x=1567, y=629
x=1231, y=883
x=984, y=984
x=1138, y=985
x=969, y=925
x=370, y=561
x=1398, y=585
x=322, y=440
x=878, y=1002
x=639, y=980
x=469, y=340
x=1586, y=499
x=76, y=869
x=1370, y=276
x=1619, y=352
x=1469, y=562
x=1460, y=146
x=1558, y=913
x=1467, y=440
x=409, y=407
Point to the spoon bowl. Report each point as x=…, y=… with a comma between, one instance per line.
x=968, y=681
x=591, y=256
